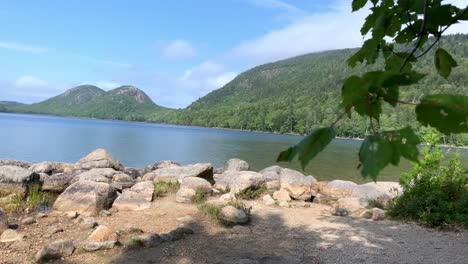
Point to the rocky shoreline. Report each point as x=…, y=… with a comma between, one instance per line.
x=100, y=186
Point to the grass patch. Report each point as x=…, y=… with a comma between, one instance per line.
x=252, y=193
x=15, y=203
x=163, y=188
x=135, y=243
x=213, y=211
x=36, y=197
x=200, y=196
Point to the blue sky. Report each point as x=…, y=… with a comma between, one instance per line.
x=176, y=51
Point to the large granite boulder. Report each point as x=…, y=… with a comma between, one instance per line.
x=176, y=173
x=19, y=163
x=50, y=168
x=238, y=181
x=86, y=197
x=17, y=179
x=298, y=186
x=144, y=188
x=237, y=165
x=131, y=201
x=97, y=175
x=122, y=181
x=160, y=165
x=381, y=191
x=57, y=182
x=98, y=159
x=195, y=183
x=271, y=173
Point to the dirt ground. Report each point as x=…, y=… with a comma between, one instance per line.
x=275, y=235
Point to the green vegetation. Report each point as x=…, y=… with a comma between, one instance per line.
x=200, y=196
x=36, y=197
x=435, y=190
x=214, y=210
x=163, y=188
x=135, y=243
x=376, y=203
x=252, y=193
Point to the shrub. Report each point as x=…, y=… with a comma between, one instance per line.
x=163, y=188
x=252, y=193
x=435, y=192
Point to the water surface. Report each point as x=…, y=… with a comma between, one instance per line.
x=38, y=138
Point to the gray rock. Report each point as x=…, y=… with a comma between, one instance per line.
x=58, y=182
x=236, y=165
x=238, y=181
x=3, y=220
x=194, y=183
x=160, y=165
x=86, y=198
x=233, y=215
x=341, y=212
x=185, y=195
x=56, y=250
x=131, y=201
x=95, y=246
x=103, y=233
x=87, y=222
x=50, y=168
x=298, y=186
x=149, y=239
x=378, y=214
x=99, y=159
x=10, y=235
x=132, y=172
x=122, y=181
x=97, y=175
x=54, y=229
x=167, y=237
x=176, y=173
x=271, y=173
x=28, y=221
x=18, y=163
x=144, y=188
x=17, y=179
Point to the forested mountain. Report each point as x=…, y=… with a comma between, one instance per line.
x=294, y=95
x=124, y=103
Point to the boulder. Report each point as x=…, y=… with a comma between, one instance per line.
x=144, y=188
x=10, y=235
x=195, y=183
x=160, y=165
x=122, y=181
x=86, y=198
x=337, y=188
x=268, y=200
x=233, y=215
x=95, y=246
x=56, y=250
x=58, y=182
x=281, y=196
x=103, y=233
x=96, y=175
x=17, y=179
x=238, y=181
x=176, y=173
x=381, y=191
x=185, y=195
x=132, y=172
x=18, y=163
x=87, y=222
x=271, y=173
x=378, y=214
x=131, y=201
x=98, y=159
x=3, y=220
x=236, y=165
x=352, y=204
x=50, y=168
x=298, y=186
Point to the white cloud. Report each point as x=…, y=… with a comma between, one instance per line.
x=206, y=77
x=106, y=85
x=335, y=29
x=28, y=81
x=178, y=49
x=22, y=47
x=277, y=4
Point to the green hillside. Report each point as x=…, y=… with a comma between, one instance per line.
x=123, y=103
x=294, y=95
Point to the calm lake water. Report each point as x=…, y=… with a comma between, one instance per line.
x=45, y=138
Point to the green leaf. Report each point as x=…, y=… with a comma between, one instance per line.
x=444, y=62
x=358, y=4
x=354, y=92
x=405, y=143
x=309, y=147
x=447, y=113
x=375, y=154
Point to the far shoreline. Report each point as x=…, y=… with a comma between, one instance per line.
x=205, y=127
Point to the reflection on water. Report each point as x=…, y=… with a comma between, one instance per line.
x=39, y=138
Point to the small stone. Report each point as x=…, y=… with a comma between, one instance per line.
x=378, y=214
x=54, y=229
x=41, y=215
x=56, y=250
x=95, y=246
x=268, y=200
x=72, y=215
x=28, y=221
x=10, y=235
x=105, y=213
x=341, y=212
x=233, y=215
x=103, y=233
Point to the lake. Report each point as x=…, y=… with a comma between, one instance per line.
x=38, y=138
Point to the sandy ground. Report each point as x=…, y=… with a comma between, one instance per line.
x=275, y=235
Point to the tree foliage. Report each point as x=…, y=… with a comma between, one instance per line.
x=409, y=24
